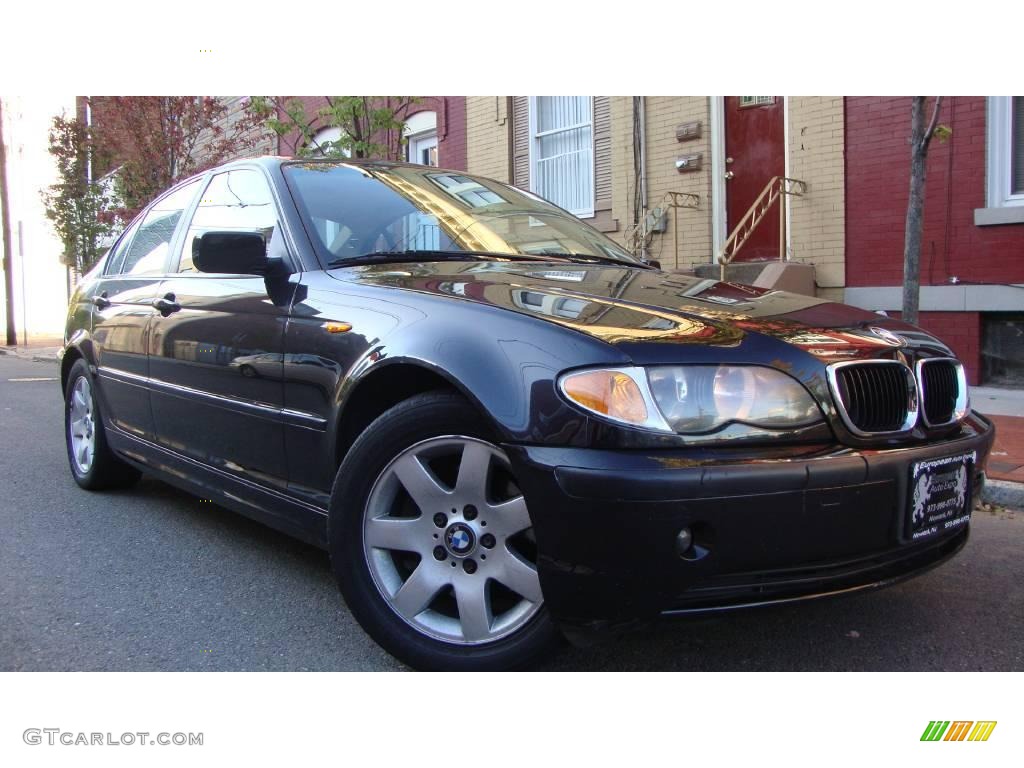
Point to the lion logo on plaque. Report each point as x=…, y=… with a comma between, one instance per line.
x=922, y=491
x=961, y=487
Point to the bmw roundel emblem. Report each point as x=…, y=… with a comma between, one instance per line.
x=888, y=336
x=459, y=538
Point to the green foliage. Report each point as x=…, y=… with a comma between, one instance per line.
x=371, y=126
x=942, y=132
x=80, y=209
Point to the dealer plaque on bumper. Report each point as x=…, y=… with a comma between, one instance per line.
x=940, y=495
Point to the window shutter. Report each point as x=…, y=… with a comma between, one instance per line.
x=603, y=165
x=521, y=141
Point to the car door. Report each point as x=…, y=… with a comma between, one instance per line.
x=123, y=308
x=216, y=346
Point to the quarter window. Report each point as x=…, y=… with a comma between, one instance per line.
x=116, y=259
x=146, y=254
x=234, y=201
x=562, y=151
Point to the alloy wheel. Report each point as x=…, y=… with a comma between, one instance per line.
x=82, y=425
x=449, y=543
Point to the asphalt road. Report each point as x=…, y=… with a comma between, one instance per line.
x=153, y=579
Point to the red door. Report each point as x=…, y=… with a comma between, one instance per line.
x=755, y=152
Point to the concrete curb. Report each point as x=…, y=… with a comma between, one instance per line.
x=36, y=356
x=1004, y=493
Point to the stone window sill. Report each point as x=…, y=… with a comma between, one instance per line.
x=987, y=217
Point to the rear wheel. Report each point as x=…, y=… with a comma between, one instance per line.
x=432, y=541
x=93, y=464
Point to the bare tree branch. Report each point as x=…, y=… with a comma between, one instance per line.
x=931, y=125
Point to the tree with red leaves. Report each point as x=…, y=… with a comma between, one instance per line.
x=156, y=141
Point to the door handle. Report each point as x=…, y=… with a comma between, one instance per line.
x=167, y=304
x=729, y=175
x=101, y=301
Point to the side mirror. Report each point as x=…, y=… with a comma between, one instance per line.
x=231, y=253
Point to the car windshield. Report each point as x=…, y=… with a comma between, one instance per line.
x=360, y=212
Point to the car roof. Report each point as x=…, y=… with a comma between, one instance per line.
x=278, y=160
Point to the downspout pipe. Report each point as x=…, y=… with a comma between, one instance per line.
x=640, y=158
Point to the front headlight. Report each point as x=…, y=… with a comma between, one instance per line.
x=693, y=399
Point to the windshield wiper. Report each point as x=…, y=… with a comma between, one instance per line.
x=417, y=255
x=592, y=258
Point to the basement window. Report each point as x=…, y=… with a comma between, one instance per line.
x=1002, y=349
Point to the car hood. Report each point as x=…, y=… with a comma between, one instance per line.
x=649, y=313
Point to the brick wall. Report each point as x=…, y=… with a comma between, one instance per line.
x=817, y=223
x=664, y=113
x=451, y=147
x=254, y=139
x=877, y=188
x=623, y=174
x=487, y=136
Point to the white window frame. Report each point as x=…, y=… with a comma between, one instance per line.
x=327, y=134
x=585, y=213
x=999, y=156
x=420, y=130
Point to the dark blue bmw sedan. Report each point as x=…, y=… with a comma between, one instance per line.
x=504, y=428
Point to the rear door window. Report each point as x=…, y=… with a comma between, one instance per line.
x=148, y=250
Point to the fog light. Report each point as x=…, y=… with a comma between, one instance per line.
x=684, y=540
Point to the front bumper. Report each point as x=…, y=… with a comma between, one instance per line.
x=766, y=530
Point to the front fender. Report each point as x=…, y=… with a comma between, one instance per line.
x=503, y=362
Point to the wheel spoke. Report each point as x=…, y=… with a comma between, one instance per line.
x=520, y=577
x=406, y=535
x=83, y=453
x=77, y=427
x=419, y=590
x=473, y=471
x=420, y=483
x=510, y=517
x=474, y=608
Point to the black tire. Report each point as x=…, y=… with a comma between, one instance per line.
x=420, y=418
x=106, y=470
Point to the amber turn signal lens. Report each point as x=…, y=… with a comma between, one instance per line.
x=610, y=393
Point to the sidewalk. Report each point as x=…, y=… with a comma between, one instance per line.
x=43, y=352
x=1007, y=459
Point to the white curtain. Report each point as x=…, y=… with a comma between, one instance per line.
x=564, y=152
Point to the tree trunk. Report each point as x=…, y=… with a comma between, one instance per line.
x=920, y=137
x=5, y=225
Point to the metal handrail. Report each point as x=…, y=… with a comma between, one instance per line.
x=639, y=235
x=779, y=188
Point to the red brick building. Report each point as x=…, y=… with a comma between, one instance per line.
x=972, y=255
x=435, y=130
